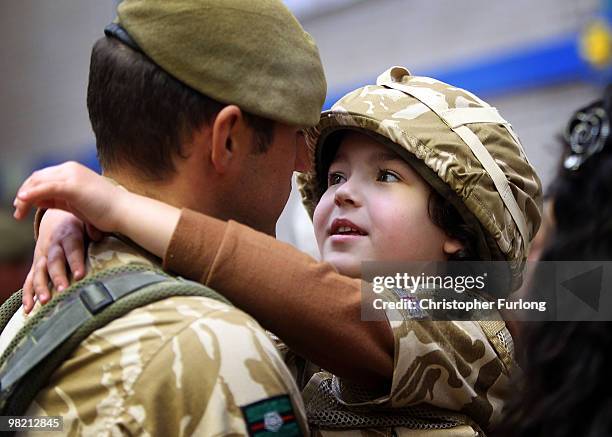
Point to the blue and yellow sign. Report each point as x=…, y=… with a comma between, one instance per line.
x=595, y=44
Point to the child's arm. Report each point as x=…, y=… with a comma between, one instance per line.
x=316, y=311
x=93, y=199
x=311, y=307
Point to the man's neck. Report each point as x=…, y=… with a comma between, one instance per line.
x=168, y=191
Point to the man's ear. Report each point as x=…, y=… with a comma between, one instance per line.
x=452, y=246
x=224, y=135
x=303, y=163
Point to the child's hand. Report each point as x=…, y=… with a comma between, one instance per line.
x=60, y=241
x=73, y=188
x=77, y=190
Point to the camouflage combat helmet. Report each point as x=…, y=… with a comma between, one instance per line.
x=458, y=143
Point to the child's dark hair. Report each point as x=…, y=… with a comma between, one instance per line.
x=444, y=215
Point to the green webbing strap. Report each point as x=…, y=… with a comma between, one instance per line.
x=95, y=302
x=9, y=307
x=88, y=301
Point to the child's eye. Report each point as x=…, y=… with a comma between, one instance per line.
x=387, y=176
x=334, y=179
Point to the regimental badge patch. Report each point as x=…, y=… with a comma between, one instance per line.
x=271, y=417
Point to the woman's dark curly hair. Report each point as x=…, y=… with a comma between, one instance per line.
x=567, y=390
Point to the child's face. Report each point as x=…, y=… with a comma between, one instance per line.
x=375, y=209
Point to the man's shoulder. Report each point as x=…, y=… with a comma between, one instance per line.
x=167, y=316
x=206, y=353
x=176, y=329
x=114, y=251
x=203, y=357
x=170, y=316
x=180, y=347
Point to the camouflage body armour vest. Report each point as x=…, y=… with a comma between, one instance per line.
x=338, y=407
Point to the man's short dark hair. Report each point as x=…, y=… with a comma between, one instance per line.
x=142, y=116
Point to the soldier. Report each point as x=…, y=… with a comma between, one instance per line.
x=407, y=169
x=190, y=101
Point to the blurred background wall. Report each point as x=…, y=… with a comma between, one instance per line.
x=535, y=61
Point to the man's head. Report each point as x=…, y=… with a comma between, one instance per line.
x=201, y=103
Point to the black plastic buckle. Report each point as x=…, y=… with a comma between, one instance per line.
x=96, y=297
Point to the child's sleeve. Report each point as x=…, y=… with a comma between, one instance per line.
x=312, y=308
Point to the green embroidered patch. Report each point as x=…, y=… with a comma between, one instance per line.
x=271, y=417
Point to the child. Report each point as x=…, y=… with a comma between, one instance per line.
x=407, y=169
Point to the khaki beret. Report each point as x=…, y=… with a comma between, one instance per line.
x=253, y=54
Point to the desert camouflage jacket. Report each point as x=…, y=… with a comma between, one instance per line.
x=449, y=379
x=179, y=366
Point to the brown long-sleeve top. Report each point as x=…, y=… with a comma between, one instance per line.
x=312, y=308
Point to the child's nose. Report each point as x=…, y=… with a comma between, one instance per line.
x=346, y=196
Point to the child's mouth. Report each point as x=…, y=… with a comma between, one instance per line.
x=345, y=227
